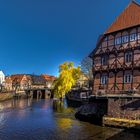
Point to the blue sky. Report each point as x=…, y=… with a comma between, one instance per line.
x=38, y=35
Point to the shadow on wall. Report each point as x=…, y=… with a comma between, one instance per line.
x=135, y=105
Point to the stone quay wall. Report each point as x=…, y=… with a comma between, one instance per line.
x=124, y=108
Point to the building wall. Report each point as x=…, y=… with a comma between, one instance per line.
x=119, y=81
x=2, y=77
x=25, y=82
x=8, y=83
x=108, y=44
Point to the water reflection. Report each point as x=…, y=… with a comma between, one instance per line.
x=50, y=120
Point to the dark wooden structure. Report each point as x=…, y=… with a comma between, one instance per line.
x=116, y=58
x=38, y=93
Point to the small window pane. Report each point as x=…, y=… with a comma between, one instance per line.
x=104, y=79
x=125, y=39
x=128, y=78
x=128, y=57
x=133, y=37
x=118, y=41
x=104, y=60
x=138, y=35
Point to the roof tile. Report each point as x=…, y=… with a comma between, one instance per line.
x=128, y=18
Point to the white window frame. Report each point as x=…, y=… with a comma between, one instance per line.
x=128, y=57
x=128, y=78
x=125, y=39
x=138, y=35
x=133, y=37
x=118, y=41
x=103, y=79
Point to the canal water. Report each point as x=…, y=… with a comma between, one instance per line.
x=47, y=120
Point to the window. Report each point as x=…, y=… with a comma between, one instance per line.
x=104, y=79
x=128, y=57
x=111, y=42
x=133, y=37
x=124, y=39
x=138, y=36
x=118, y=40
x=128, y=78
x=104, y=60
x=105, y=38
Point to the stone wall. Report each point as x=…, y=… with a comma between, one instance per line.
x=124, y=108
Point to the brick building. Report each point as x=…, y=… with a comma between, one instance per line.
x=17, y=81
x=116, y=58
x=26, y=81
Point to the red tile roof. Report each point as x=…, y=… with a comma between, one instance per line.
x=48, y=77
x=128, y=18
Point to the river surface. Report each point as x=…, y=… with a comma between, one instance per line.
x=45, y=120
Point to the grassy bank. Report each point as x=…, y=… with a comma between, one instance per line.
x=5, y=96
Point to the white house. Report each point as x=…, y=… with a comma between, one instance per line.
x=2, y=77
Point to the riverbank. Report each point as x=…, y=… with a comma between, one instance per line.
x=11, y=95
x=5, y=96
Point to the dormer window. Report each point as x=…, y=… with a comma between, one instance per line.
x=128, y=57
x=104, y=60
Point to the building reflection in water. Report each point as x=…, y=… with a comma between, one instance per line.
x=21, y=103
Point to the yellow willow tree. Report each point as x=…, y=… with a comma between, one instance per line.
x=68, y=76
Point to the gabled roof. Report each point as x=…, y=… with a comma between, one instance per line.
x=128, y=18
x=17, y=77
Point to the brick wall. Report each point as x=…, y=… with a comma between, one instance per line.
x=124, y=108
x=107, y=44
x=119, y=82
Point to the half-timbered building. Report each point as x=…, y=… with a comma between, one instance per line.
x=116, y=58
